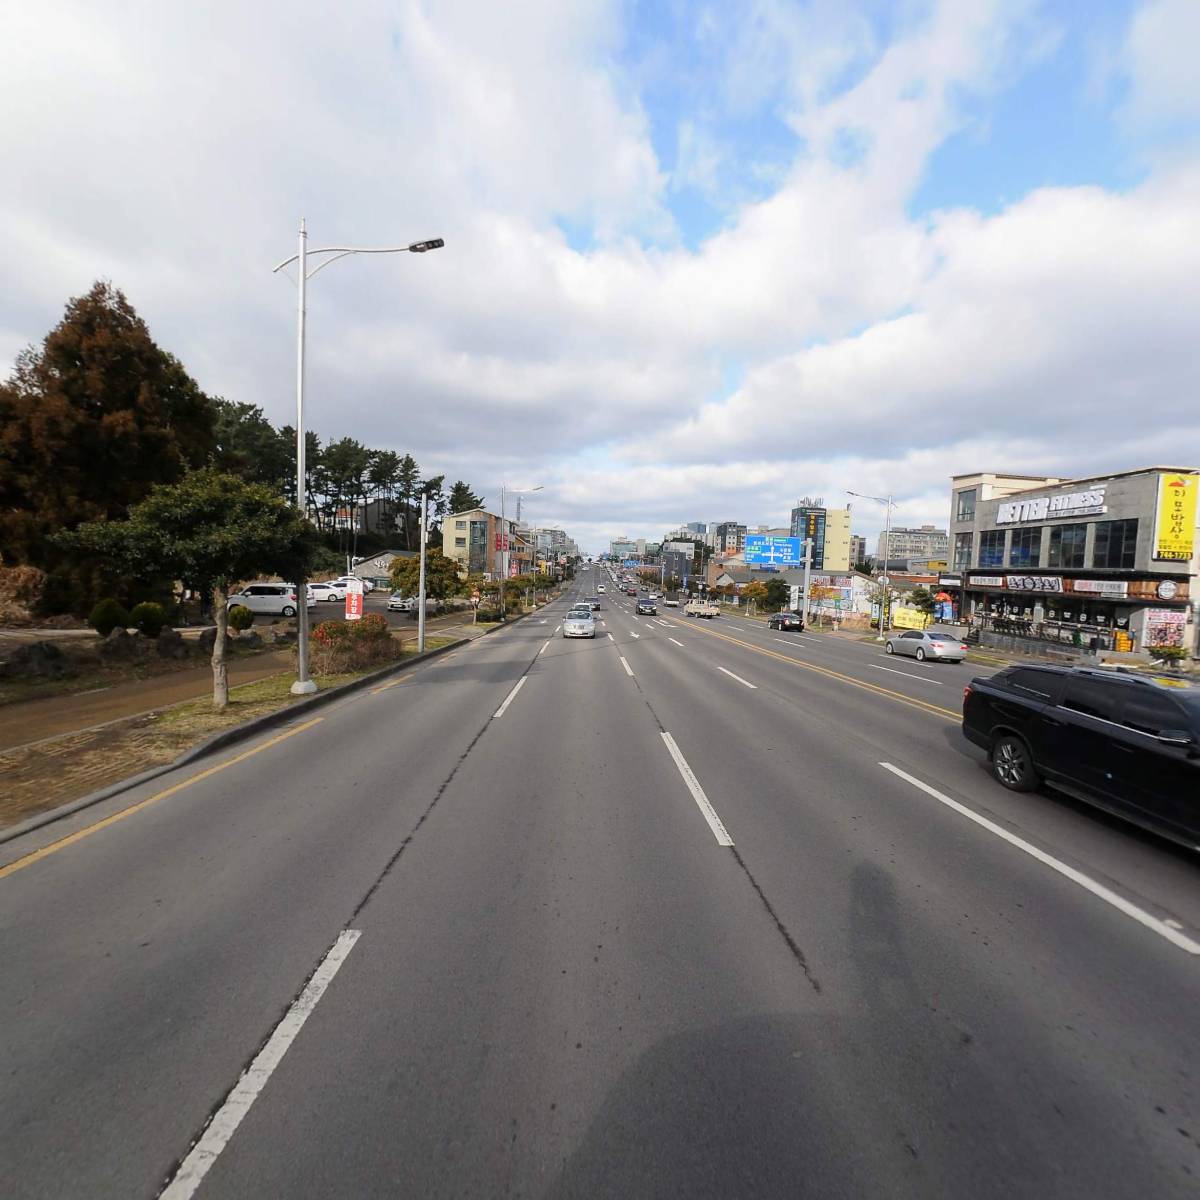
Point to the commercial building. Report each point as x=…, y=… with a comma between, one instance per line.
x=927, y=542
x=477, y=539
x=1108, y=561
x=829, y=529
x=622, y=547
x=858, y=549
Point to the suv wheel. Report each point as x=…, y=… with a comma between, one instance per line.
x=1012, y=765
x=288, y=610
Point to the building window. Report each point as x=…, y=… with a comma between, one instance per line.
x=460, y=541
x=1026, y=547
x=460, y=524
x=965, y=508
x=1066, y=546
x=964, y=544
x=1116, y=543
x=991, y=548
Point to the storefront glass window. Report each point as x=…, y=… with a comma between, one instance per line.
x=1026, y=547
x=1066, y=545
x=965, y=510
x=1116, y=543
x=964, y=543
x=991, y=548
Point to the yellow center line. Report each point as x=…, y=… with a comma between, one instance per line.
x=912, y=701
x=394, y=683
x=78, y=836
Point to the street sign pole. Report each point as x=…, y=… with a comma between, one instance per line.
x=421, y=577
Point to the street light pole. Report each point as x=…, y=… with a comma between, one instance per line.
x=303, y=684
x=885, y=582
x=421, y=576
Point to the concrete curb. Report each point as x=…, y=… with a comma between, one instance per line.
x=226, y=737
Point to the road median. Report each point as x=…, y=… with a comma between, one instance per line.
x=51, y=779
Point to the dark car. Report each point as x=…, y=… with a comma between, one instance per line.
x=786, y=620
x=631, y=591
x=1126, y=742
x=647, y=608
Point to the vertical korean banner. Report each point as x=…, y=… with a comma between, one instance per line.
x=1175, y=518
x=354, y=600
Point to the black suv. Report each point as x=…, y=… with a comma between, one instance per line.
x=1128, y=743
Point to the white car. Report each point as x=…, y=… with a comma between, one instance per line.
x=367, y=585
x=670, y=602
x=274, y=599
x=600, y=587
x=398, y=602
x=579, y=622
x=332, y=591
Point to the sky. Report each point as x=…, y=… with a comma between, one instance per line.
x=701, y=259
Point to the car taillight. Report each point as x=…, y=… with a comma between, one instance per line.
x=966, y=692
x=938, y=645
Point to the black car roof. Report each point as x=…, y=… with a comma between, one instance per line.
x=1160, y=681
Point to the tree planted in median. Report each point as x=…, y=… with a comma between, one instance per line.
x=210, y=530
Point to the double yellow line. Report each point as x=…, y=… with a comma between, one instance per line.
x=934, y=709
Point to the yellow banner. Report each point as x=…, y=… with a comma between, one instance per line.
x=908, y=618
x=1175, y=529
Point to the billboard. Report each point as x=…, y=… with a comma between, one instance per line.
x=1175, y=527
x=774, y=550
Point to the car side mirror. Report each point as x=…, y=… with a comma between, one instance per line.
x=1176, y=737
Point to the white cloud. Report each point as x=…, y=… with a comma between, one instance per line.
x=1160, y=61
x=172, y=149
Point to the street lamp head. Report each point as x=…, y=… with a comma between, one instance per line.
x=432, y=244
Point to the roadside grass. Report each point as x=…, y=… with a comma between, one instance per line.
x=41, y=777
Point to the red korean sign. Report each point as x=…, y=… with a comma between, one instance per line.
x=354, y=601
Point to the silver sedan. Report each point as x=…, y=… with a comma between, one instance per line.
x=579, y=622
x=921, y=644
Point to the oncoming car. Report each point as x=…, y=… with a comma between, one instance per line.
x=647, y=608
x=579, y=622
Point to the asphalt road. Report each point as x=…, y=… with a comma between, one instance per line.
x=483, y=933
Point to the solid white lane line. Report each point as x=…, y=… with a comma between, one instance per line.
x=907, y=674
x=237, y=1104
x=628, y=668
x=789, y=642
x=679, y=644
x=693, y=785
x=543, y=649
x=743, y=682
x=1162, y=928
x=511, y=696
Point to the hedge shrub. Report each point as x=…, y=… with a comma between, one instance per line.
x=240, y=617
x=108, y=615
x=148, y=618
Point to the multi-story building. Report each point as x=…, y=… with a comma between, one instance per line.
x=926, y=542
x=622, y=547
x=477, y=539
x=1112, y=556
x=858, y=549
x=730, y=538
x=829, y=531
